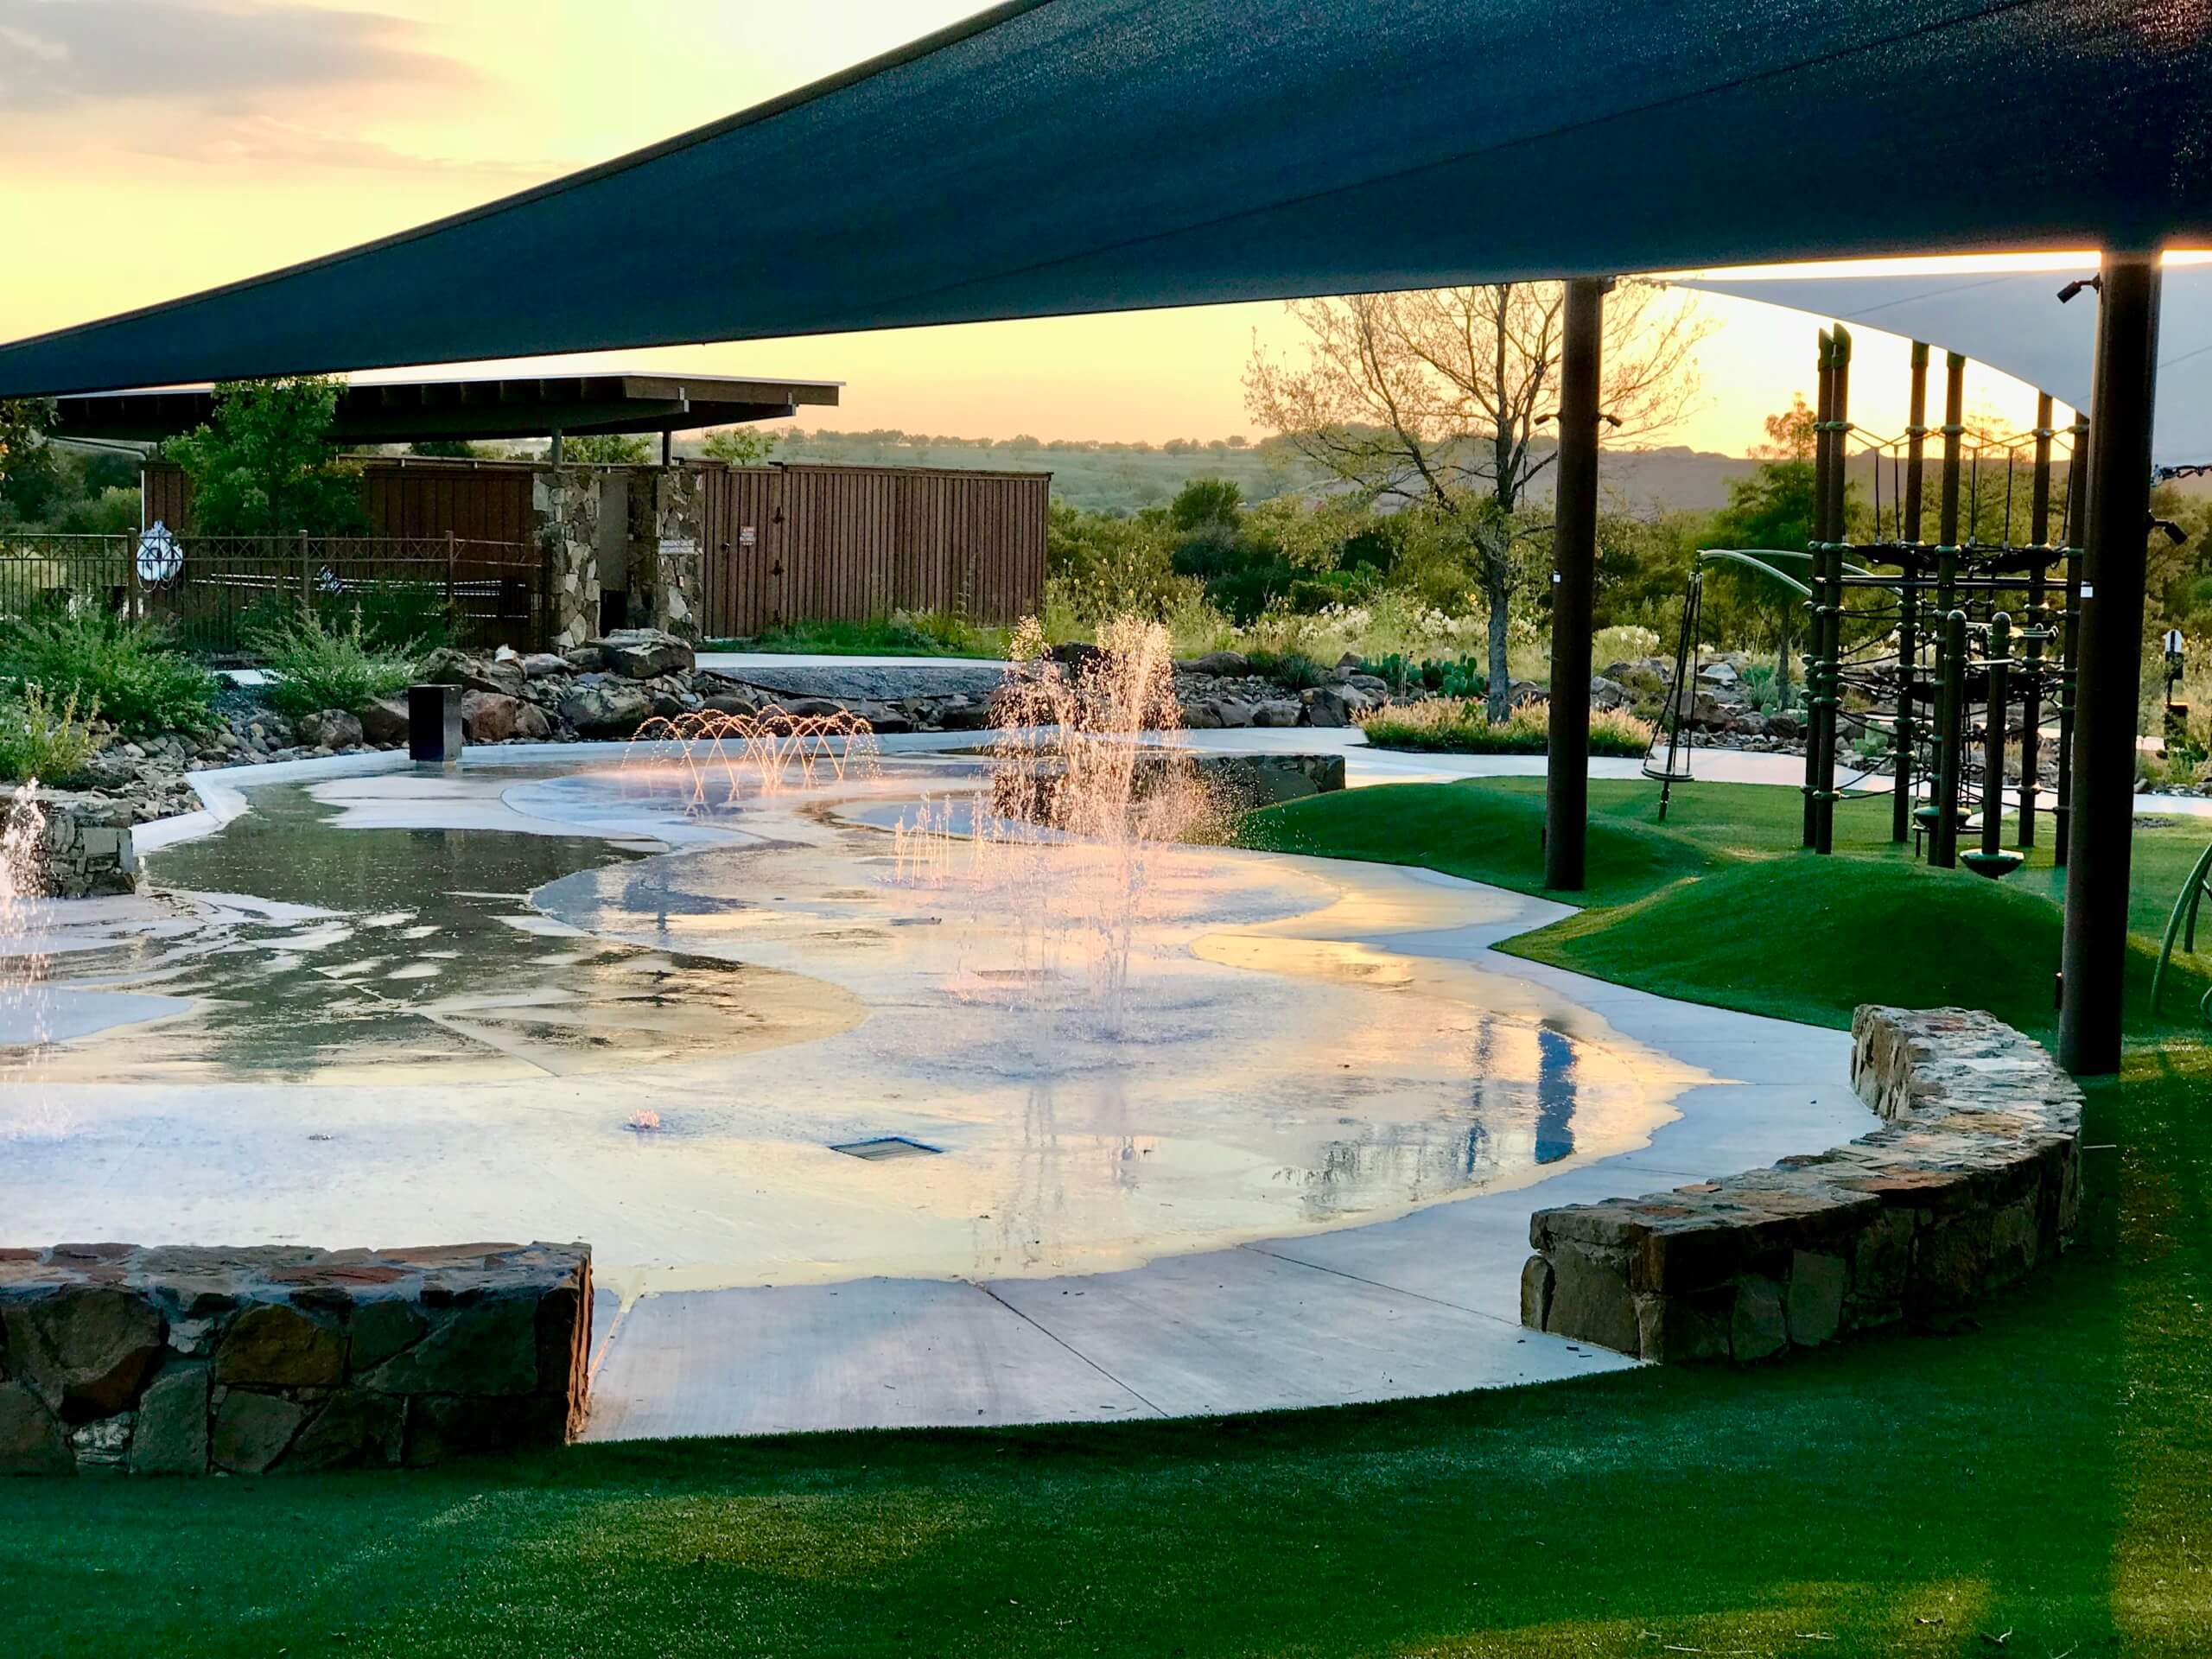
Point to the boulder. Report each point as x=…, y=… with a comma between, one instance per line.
x=85, y=1348
x=252, y=1430
x=384, y=722
x=546, y=665
x=1326, y=705
x=32, y=1440
x=278, y=1345
x=729, y=702
x=1278, y=712
x=490, y=717
x=447, y=666
x=605, y=708
x=585, y=659
x=1220, y=663
x=333, y=729
x=958, y=715
x=1607, y=694
x=532, y=723
x=645, y=653
x=172, y=1437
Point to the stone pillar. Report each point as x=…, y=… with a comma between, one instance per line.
x=564, y=502
x=666, y=570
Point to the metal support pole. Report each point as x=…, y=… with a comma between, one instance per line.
x=307, y=576
x=2110, y=669
x=1943, y=845
x=2038, y=625
x=1830, y=613
x=1575, y=566
x=1910, y=566
x=2069, y=640
x=1823, y=456
x=1992, y=736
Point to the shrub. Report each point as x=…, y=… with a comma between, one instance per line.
x=1293, y=670
x=131, y=671
x=315, y=664
x=37, y=740
x=1450, y=725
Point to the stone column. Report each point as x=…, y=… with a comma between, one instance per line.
x=564, y=502
x=666, y=570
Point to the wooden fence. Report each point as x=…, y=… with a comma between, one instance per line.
x=798, y=542
x=212, y=593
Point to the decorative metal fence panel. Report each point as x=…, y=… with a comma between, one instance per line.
x=213, y=591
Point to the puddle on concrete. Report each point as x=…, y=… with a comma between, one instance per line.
x=327, y=955
x=382, y=1033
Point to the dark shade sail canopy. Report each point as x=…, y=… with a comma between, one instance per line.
x=1053, y=157
x=522, y=406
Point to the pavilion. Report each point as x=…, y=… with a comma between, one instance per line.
x=1056, y=156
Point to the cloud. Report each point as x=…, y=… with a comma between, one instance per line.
x=56, y=53
x=263, y=138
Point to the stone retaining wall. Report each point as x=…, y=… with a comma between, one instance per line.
x=116, y=1358
x=1972, y=1181
x=87, y=848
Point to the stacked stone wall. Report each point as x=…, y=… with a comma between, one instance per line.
x=116, y=1358
x=86, y=850
x=1972, y=1181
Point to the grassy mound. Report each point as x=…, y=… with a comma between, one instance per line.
x=1809, y=938
x=1481, y=831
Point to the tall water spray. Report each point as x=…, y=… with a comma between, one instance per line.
x=23, y=981
x=1091, y=784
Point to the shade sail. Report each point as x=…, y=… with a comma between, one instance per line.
x=1069, y=156
x=2012, y=321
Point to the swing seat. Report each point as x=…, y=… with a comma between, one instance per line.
x=1996, y=866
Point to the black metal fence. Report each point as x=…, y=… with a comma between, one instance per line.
x=213, y=591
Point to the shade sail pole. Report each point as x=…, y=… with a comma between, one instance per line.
x=1574, y=571
x=2109, y=669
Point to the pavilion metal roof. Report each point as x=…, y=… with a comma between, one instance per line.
x=518, y=406
x=1053, y=157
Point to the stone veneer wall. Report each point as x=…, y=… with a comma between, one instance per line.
x=87, y=848
x=666, y=584
x=565, y=502
x=1973, y=1180
x=178, y=1361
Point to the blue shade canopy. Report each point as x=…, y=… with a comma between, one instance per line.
x=1069, y=156
x=2012, y=321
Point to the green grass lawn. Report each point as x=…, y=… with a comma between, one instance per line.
x=2038, y=1484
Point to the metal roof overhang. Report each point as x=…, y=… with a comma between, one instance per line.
x=1056, y=156
x=514, y=407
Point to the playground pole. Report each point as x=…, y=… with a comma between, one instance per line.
x=1830, y=592
x=2038, y=622
x=2108, y=673
x=1822, y=458
x=1992, y=736
x=1943, y=844
x=1901, y=757
x=2069, y=641
x=1575, y=563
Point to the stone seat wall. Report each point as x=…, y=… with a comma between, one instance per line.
x=1972, y=1181
x=116, y=1358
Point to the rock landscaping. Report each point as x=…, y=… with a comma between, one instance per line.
x=119, y=1359
x=86, y=850
x=1972, y=1180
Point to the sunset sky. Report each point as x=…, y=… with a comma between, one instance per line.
x=155, y=147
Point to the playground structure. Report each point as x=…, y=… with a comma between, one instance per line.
x=1970, y=640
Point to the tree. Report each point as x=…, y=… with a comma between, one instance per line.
x=605, y=448
x=28, y=478
x=1789, y=435
x=1437, y=395
x=262, y=465
x=740, y=446
x=451, y=449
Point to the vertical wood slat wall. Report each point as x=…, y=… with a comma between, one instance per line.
x=849, y=542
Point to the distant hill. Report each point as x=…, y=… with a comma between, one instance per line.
x=1101, y=477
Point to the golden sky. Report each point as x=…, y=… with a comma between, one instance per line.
x=152, y=148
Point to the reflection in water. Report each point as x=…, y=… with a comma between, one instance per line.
x=475, y=1033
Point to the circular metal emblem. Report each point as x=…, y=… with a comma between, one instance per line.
x=161, y=556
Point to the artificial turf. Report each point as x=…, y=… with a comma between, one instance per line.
x=2039, y=1483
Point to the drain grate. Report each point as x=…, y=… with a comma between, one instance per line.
x=887, y=1146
